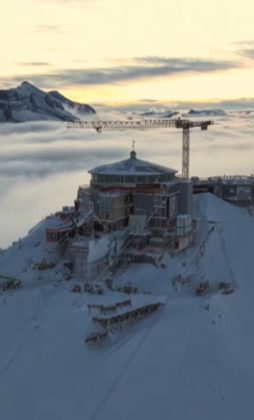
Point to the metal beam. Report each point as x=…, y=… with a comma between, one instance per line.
x=186, y=153
x=138, y=124
x=183, y=124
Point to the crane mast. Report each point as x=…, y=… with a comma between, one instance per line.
x=179, y=123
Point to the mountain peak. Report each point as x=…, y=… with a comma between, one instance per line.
x=26, y=102
x=28, y=87
x=26, y=83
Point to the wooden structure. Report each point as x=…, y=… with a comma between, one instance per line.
x=93, y=306
x=100, y=336
x=133, y=314
x=97, y=337
x=109, y=308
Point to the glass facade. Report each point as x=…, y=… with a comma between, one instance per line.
x=131, y=179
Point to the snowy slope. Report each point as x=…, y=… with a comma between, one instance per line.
x=28, y=103
x=191, y=359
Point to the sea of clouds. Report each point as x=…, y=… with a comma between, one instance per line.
x=43, y=163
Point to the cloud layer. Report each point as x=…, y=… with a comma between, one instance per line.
x=42, y=164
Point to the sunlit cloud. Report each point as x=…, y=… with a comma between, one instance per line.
x=247, y=52
x=244, y=48
x=145, y=68
x=35, y=64
x=73, y=1
x=48, y=28
x=244, y=43
x=144, y=104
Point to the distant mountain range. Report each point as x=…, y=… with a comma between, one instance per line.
x=186, y=114
x=159, y=114
x=28, y=103
x=208, y=112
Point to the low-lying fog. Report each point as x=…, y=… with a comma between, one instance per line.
x=42, y=164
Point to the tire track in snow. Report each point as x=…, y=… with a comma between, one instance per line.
x=129, y=361
x=16, y=353
x=181, y=367
x=44, y=300
x=219, y=232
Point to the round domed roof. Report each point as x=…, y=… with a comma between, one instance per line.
x=133, y=166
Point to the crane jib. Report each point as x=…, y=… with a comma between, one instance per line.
x=139, y=124
x=179, y=123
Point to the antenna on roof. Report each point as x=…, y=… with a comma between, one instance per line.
x=133, y=152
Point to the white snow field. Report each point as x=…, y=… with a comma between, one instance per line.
x=192, y=359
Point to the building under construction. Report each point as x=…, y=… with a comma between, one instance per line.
x=136, y=191
x=131, y=208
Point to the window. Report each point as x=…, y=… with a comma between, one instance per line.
x=142, y=179
x=129, y=179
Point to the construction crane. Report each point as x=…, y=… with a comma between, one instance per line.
x=183, y=124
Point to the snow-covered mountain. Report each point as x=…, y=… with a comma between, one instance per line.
x=160, y=114
x=207, y=112
x=168, y=113
x=28, y=103
x=192, y=359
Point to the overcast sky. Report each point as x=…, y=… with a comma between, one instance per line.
x=116, y=51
